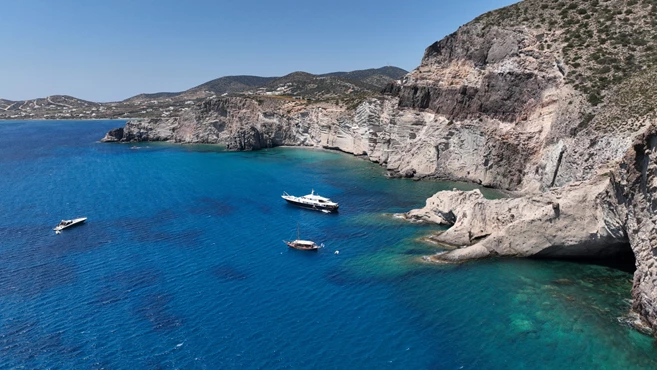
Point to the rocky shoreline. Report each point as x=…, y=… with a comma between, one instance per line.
x=488, y=105
x=592, y=218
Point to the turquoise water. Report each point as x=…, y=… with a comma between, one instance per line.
x=181, y=265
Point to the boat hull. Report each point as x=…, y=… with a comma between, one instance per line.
x=331, y=209
x=75, y=222
x=302, y=247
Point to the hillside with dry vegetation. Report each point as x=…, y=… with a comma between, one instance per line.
x=608, y=49
x=344, y=88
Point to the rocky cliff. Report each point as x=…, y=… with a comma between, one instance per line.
x=635, y=185
x=505, y=102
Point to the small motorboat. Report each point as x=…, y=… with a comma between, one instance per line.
x=68, y=223
x=312, y=201
x=304, y=245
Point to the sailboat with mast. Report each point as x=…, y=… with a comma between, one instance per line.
x=304, y=245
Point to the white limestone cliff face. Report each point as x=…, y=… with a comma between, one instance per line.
x=377, y=128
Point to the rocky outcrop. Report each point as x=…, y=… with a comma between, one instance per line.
x=605, y=217
x=481, y=71
x=115, y=135
x=577, y=221
x=635, y=183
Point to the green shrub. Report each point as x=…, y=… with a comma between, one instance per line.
x=594, y=99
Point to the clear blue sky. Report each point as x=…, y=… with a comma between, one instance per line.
x=106, y=50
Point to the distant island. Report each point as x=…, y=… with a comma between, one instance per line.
x=349, y=87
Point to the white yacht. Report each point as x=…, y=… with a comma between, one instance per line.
x=312, y=201
x=68, y=223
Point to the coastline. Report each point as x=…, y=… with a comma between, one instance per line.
x=492, y=193
x=409, y=143
x=180, y=242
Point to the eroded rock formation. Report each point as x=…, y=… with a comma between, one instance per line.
x=578, y=220
x=635, y=184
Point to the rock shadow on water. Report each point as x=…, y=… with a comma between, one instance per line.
x=154, y=308
x=158, y=218
x=33, y=280
x=22, y=341
x=159, y=228
x=185, y=238
x=262, y=207
x=415, y=252
x=212, y=207
x=619, y=256
x=341, y=277
x=227, y=272
x=124, y=285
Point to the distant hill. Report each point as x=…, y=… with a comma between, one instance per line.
x=50, y=104
x=154, y=96
x=363, y=74
x=336, y=84
x=4, y=104
x=350, y=87
x=377, y=77
x=232, y=84
x=305, y=84
x=218, y=86
x=309, y=86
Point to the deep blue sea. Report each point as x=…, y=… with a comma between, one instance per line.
x=181, y=264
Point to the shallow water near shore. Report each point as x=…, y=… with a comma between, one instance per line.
x=181, y=265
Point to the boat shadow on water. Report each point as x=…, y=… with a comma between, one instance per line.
x=291, y=206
